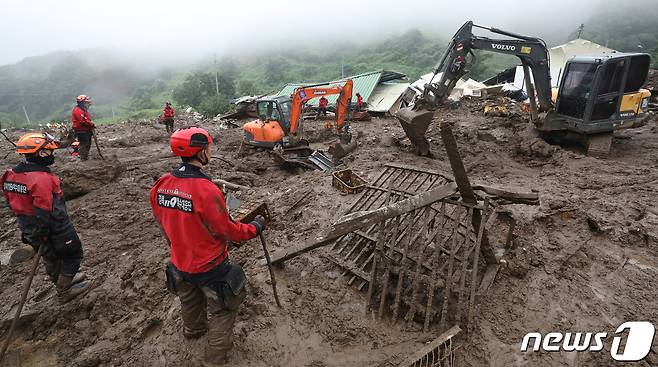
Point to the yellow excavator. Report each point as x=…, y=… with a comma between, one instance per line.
x=597, y=94
x=280, y=118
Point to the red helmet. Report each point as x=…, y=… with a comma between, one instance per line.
x=188, y=141
x=83, y=98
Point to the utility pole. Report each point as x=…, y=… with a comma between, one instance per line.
x=216, y=78
x=342, y=66
x=26, y=116
x=112, y=103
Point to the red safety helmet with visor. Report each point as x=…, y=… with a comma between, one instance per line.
x=188, y=141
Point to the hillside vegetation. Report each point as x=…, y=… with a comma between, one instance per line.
x=46, y=86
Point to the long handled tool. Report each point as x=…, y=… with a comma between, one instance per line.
x=98, y=148
x=269, y=267
x=6, y=137
x=26, y=290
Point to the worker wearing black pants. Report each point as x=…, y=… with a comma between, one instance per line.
x=35, y=196
x=169, y=124
x=82, y=125
x=84, y=138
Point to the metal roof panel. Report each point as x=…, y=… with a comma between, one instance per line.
x=363, y=83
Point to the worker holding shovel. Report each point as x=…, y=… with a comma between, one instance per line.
x=34, y=195
x=192, y=213
x=82, y=125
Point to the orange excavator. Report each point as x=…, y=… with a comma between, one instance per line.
x=280, y=121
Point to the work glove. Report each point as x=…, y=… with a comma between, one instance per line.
x=259, y=223
x=35, y=243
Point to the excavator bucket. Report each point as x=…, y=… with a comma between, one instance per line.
x=415, y=123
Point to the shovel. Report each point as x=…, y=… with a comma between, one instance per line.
x=26, y=290
x=98, y=148
x=269, y=267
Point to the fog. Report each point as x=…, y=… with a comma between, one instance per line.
x=176, y=31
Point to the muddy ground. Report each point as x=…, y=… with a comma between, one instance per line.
x=587, y=260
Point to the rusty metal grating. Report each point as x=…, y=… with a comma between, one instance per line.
x=421, y=266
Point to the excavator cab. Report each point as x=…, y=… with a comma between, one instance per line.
x=599, y=94
x=273, y=124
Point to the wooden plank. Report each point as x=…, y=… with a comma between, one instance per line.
x=360, y=220
x=488, y=279
x=476, y=265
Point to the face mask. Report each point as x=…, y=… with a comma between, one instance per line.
x=44, y=161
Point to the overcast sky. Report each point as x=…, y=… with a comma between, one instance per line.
x=194, y=27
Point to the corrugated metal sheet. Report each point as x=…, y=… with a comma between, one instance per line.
x=386, y=96
x=363, y=83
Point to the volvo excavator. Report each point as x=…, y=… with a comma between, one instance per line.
x=596, y=95
x=280, y=118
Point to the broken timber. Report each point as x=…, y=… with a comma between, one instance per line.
x=355, y=221
x=418, y=266
x=358, y=220
x=465, y=189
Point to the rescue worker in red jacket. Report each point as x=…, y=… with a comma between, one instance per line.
x=168, y=117
x=359, y=102
x=192, y=213
x=82, y=125
x=322, y=106
x=35, y=197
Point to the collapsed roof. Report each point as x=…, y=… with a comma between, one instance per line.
x=379, y=89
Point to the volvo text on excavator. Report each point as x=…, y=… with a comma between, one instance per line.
x=280, y=118
x=596, y=95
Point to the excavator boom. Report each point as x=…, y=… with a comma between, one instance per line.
x=280, y=117
x=453, y=65
x=304, y=94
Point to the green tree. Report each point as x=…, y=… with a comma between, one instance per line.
x=214, y=105
x=199, y=91
x=194, y=88
x=480, y=69
x=275, y=71
x=246, y=87
x=142, y=99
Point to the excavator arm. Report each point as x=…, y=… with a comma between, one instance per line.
x=532, y=52
x=302, y=95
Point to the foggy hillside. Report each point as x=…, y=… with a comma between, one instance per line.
x=135, y=83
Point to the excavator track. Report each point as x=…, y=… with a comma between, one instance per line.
x=598, y=145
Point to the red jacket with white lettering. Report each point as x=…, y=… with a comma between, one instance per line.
x=81, y=119
x=168, y=112
x=192, y=213
x=35, y=197
x=323, y=102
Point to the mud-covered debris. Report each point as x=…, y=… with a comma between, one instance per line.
x=21, y=254
x=80, y=178
x=535, y=148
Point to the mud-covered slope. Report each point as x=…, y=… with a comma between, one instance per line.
x=586, y=260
